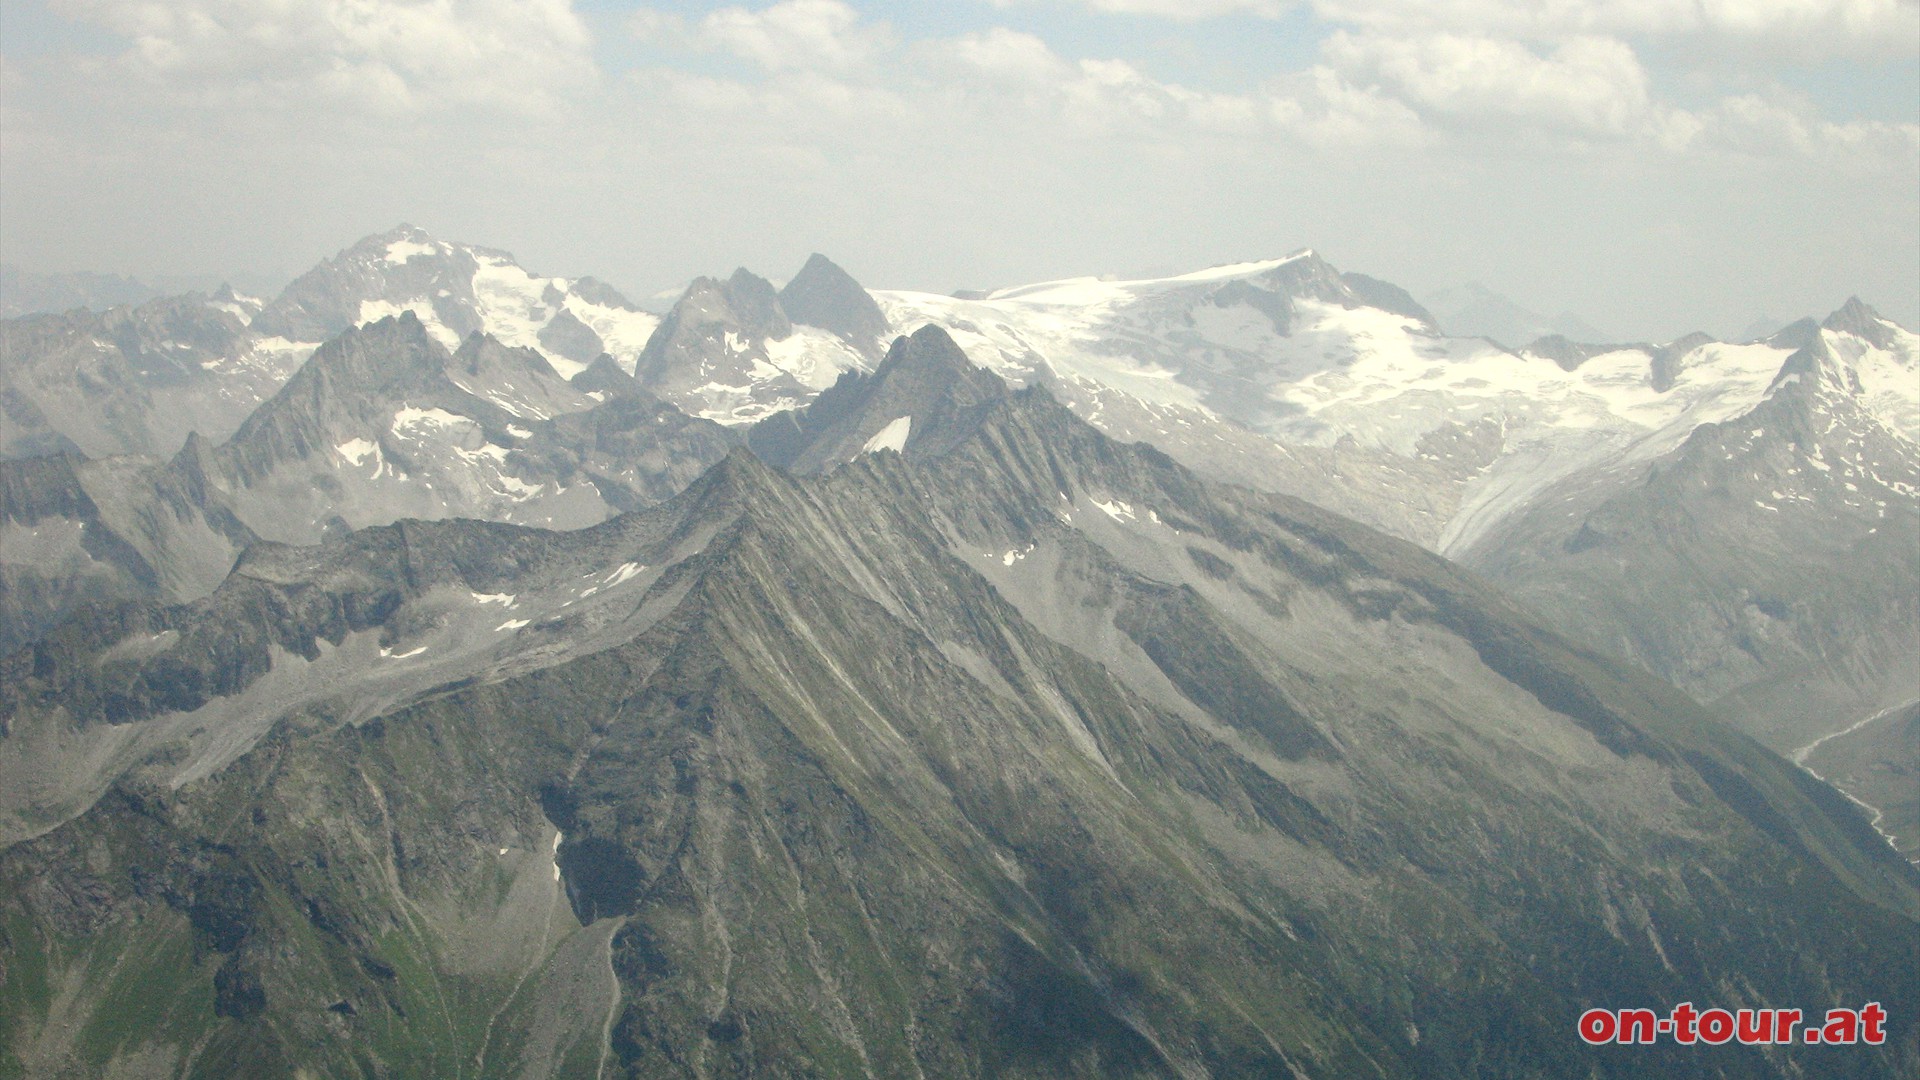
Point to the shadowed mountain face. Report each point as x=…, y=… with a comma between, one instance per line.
x=734, y=352
x=824, y=295
x=138, y=379
x=1686, y=504
x=1035, y=756
x=385, y=424
x=922, y=400
x=1768, y=562
x=382, y=423
x=75, y=532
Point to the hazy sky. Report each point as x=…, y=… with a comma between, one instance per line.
x=1652, y=165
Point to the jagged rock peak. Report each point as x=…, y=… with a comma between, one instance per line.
x=1305, y=275
x=426, y=243
x=1669, y=358
x=756, y=304
x=195, y=454
x=593, y=290
x=1568, y=355
x=923, y=399
x=400, y=245
x=824, y=295
x=740, y=476
x=393, y=350
x=1796, y=335
x=1861, y=320
x=1387, y=296
x=1852, y=316
x=745, y=302
x=931, y=352
x=604, y=375
x=396, y=267
x=484, y=361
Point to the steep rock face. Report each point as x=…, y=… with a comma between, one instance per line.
x=1571, y=354
x=76, y=532
x=1861, y=321
x=381, y=424
x=605, y=378
x=50, y=563
x=134, y=380
x=328, y=299
x=1767, y=562
x=138, y=379
x=729, y=351
x=1668, y=359
x=1039, y=756
x=385, y=424
x=635, y=449
x=1364, y=291
x=923, y=399
x=824, y=295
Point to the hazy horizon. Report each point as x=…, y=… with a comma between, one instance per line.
x=1652, y=169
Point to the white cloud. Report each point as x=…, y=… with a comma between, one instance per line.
x=798, y=34
x=1192, y=10
x=789, y=36
x=826, y=69
x=755, y=133
x=1011, y=54
x=1328, y=112
x=1571, y=72
x=1110, y=97
x=1759, y=126
x=1587, y=84
x=1586, y=88
x=385, y=55
x=1880, y=27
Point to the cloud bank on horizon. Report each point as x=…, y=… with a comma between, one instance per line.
x=1658, y=163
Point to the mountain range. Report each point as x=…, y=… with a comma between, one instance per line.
x=439, y=669
x=25, y=293
x=1473, y=310
x=1286, y=375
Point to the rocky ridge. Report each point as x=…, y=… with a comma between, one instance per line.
x=1038, y=754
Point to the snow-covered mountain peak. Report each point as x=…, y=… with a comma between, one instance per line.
x=1326, y=362
x=1079, y=291
x=730, y=352
x=1862, y=321
x=239, y=305
x=456, y=289
x=1858, y=353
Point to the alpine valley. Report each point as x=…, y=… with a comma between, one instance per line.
x=443, y=670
